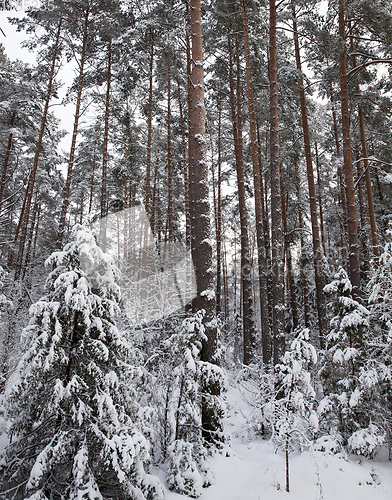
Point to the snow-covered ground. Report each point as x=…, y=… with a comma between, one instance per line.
x=249, y=469
x=253, y=471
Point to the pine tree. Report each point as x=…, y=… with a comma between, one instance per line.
x=75, y=423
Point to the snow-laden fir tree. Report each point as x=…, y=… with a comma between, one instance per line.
x=187, y=470
x=291, y=412
x=345, y=409
x=74, y=422
x=375, y=377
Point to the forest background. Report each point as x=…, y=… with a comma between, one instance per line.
x=277, y=181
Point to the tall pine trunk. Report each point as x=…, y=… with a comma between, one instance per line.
x=369, y=189
x=348, y=166
x=276, y=201
x=261, y=249
x=201, y=233
x=219, y=219
x=305, y=285
x=317, y=253
x=246, y=288
x=169, y=158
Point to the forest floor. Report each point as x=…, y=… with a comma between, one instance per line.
x=253, y=471
x=249, y=469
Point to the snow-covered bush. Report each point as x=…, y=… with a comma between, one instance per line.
x=183, y=475
x=366, y=441
x=75, y=428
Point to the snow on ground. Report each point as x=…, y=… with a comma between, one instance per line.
x=253, y=471
x=249, y=469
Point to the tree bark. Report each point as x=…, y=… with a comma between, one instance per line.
x=289, y=264
x=276, y=201
x=191, y=181
x=342, y=193
x=201, y=235
x=320, y=204
x=219, y=219
x=104, y=194
x=369, y=189
x=185, y=165
x=348, y=166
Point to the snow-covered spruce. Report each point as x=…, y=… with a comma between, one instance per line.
x=375, y=377
x=345, y=405
x=187, y=472
x=74, y=423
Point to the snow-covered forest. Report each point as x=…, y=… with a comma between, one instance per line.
x=196, y=296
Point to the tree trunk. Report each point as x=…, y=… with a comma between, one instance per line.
x=191, y=181
x=246, y=289
x=6, y=159
x=369, y=189
x=305, y=284
x=262, y=262
x=201, y=235
x=30, y=238
x=104, y=194
x=342, y=193
x=276, y=201
x=185, y=165
x=348, y=167
x=320, y=204
x=149, y=125
x=64, y=208
x=90, y=206
x=219, y=219
x=317, y=254
x=169, y=158
x=290, y=272
x=33, y=173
